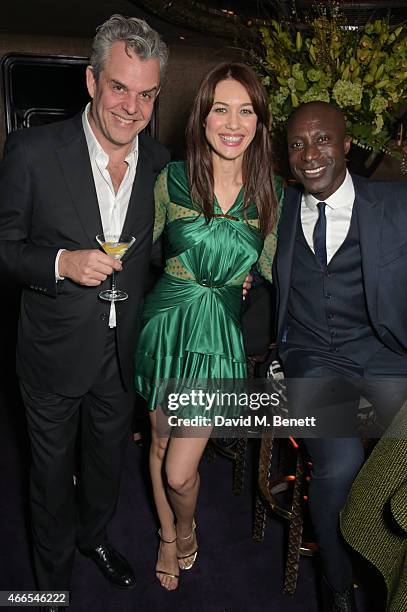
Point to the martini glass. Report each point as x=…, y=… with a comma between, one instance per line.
x=115, y=245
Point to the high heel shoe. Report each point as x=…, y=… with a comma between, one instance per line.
x=192, y=554
x=164, y=573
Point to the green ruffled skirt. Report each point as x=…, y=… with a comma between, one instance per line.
x=190, y=332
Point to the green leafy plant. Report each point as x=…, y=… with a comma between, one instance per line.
x=363, y=71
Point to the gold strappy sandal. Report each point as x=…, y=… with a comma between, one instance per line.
x=192, y=554
x=158, y=571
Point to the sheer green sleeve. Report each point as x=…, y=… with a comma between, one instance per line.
x=265, y=261
x=161, y=200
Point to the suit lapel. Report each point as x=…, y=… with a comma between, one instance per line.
x=140, y=211
x=140, y=193
x=370, y=215
x=285, y=250
x=76, y=168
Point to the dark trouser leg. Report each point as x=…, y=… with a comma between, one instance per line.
x=385, y=385
x=52, y=425
x=106, y=418
x=336, y=463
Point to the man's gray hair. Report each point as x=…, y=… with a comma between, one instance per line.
x=137, y=36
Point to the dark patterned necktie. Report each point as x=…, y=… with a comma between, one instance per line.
x=319, y=235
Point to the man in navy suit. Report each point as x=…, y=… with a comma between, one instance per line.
x=61, y=185
x=341, y=276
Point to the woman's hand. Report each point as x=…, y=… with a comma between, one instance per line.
x=247, y=285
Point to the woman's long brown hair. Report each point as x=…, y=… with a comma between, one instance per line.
x=257, y=167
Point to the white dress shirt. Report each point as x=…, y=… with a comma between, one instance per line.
x=338, y=212
x=112, y=206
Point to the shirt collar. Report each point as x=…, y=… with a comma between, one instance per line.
x=94, y=147
x=343, y=196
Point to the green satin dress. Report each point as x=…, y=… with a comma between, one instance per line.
x=191, y=319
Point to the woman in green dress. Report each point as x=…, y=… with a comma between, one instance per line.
x=218, y=211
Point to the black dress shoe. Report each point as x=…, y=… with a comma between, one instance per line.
x=337, y=601
x=113, y=566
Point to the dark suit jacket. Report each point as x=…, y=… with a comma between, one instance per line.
x=48, y=202
x=382, y=218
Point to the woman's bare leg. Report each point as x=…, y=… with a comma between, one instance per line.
x=181, y=465
x=167, y=553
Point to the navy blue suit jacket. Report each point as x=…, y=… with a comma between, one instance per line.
x=382, y=218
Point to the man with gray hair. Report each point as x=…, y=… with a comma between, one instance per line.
x=61, y=185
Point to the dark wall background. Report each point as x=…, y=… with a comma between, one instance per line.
x=67, y=28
